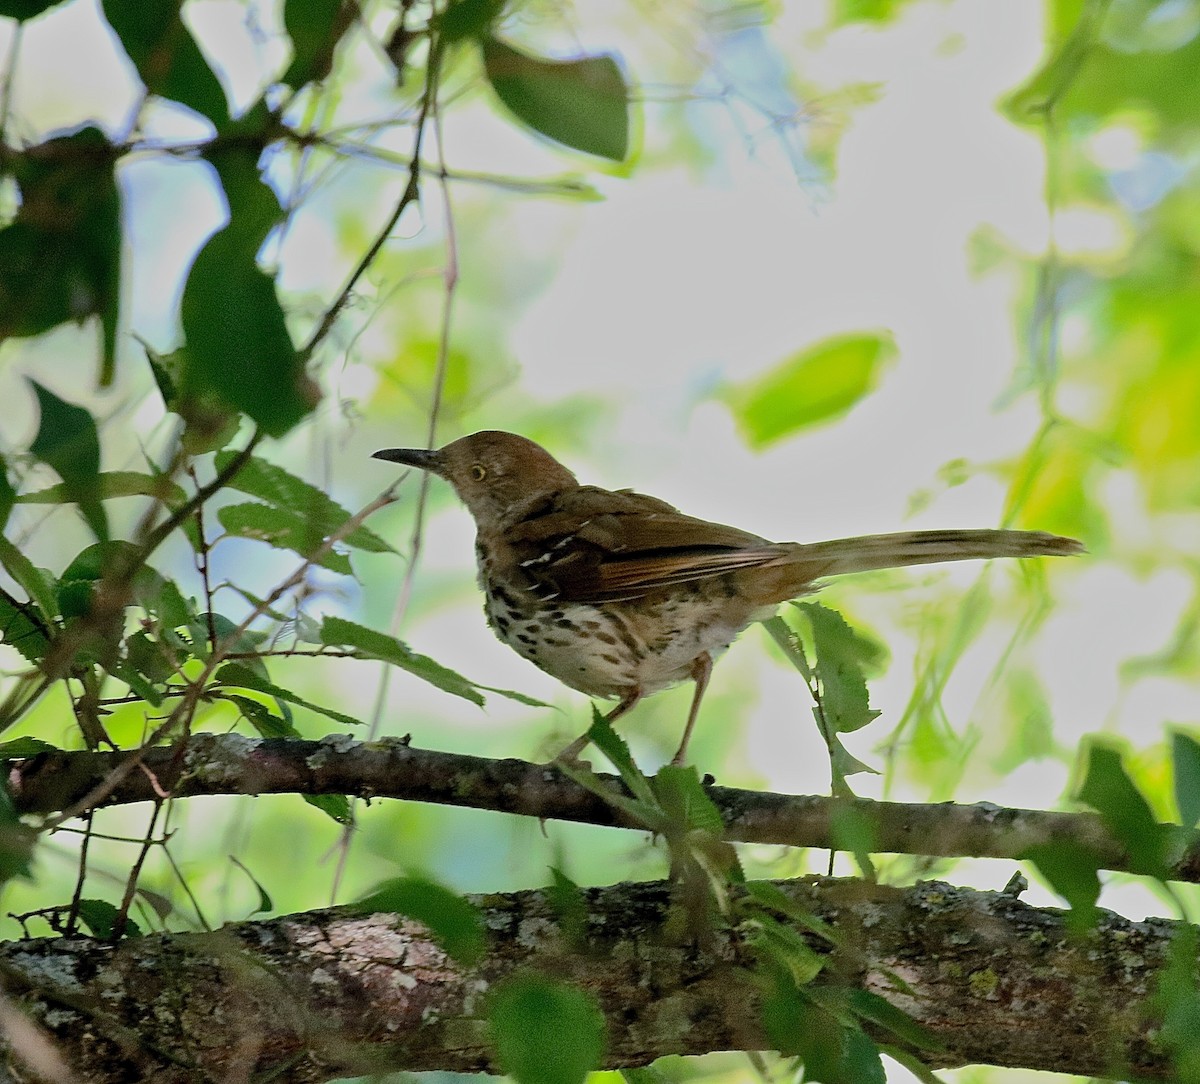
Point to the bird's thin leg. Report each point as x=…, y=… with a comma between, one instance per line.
x=630, y=697
x=701, y=671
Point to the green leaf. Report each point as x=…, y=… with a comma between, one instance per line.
x=455, y=923
x=17, y=840
x=37, y=583
x=371, y=644
x=166, y=55
x=22, y=748
x=209, y=422
x=315, y=27
x=1185, y=755
x=283, y=530
x=1072, y=871
x=686, y=802
x=22, y=627
x=567, y=899
x=1110, y=791
x=238, y=347
x=334, y=806
x=842, y=653
x=546, y=1032
x=116, y=483
x=240, y=676
x=814, y=385
x=100, y=917
x=265, y=902
x=60, y=257
x=468, y=19
x=21, y=10
x=865, y=11
x=614, y=747
x=265, y=721
x=868, y=1005
x=8, y=495
x=67, y=442
x=273, y=484
x=581, y=103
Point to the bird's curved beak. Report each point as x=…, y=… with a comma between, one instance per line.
x=422, y=458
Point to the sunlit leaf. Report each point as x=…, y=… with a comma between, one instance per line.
x=370, y=643
x=581, y=103
x=241, y=676
x=456, y=925
x=67, y=442
x=546, y=1032
x=814, y=385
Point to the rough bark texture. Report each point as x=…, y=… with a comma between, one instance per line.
x=329, y=993
x=390, y=768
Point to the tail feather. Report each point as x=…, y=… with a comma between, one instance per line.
x=869, y=552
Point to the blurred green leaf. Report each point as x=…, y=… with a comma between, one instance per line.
x=455, y=923
x=568, y=901
x=237, y=342
x=67, y=442
x=338, y=632
x=243, y=677
x=814, y=385
x=1109, y=790
x=685, y=801
x=17, y=840
x=264, y=720
x=865, y=11
x=114, y=483
x=8, y=495
x=166, y=55
x=868, y=1005
x=315, y=27
x=100, y=917
x=334, y=806
x=25, y=9
x=209, y=422
x=277, y=487
x=60, y=257
x=1178, y=1003
x=265, y=902
x=1072, y=871
x=546, y=1032
x=283, y=530
x=581, y=103
x=468, y=19
x=1185, y=755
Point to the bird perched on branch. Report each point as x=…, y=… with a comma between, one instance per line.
x=618, y=594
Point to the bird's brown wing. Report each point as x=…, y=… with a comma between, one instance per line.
x=594, y=545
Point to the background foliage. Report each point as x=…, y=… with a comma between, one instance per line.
x=830, y=269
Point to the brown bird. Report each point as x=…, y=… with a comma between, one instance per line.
x=618, y=594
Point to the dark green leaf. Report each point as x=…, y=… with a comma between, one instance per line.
x=117, y=483
x=273, y=484
x=37, y=583
x=20, y=748
x=209, y=422
x=154, y=661
x=243, y=677
x=265, y=902
x=166, y=55
x=100, y=917
x=1108, y=790
x=334, y=806
x=265, y=721
x=25, y=9
x=468, y=19
x=369, y=643
x=1185, y=755
x=60, y=257
x=1072, y=871
x=23, y=628
x=613, y=746
x=569, y=904
x=16, y=840
x=282, y=529
x=1178, y=1003
x=238, y=347
x=581, y=103
x=878, y=1010
x=315, y=27
x=67, y=442
x=816, y=384
x=685, y=800
x=8, y=495
x=546, y=1032
x=456, y=925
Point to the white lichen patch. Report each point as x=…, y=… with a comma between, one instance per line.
x=331, y=745
x=535, y=931
x=219, y=762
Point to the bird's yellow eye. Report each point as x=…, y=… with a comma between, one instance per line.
x=479, y=472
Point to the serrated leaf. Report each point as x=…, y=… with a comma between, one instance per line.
x=282, y=530
x=166, y=55
x=1109, y=790
x=841, y=654
x=22, y=627
x=315, y=27
x=334, y=806
x=265, y=721
x=614, y=747
x=814, y=385
x=1185, y=756
x=580, y=103
x=37, y=583
x=566, y=897
x=372, y=644
x=238, y=348
x=68, y=443
x=60, y=257
x=271, y=483
x=545, y=1032
x=455, y=923
x=683, y=797
x=110, y=484
x=235, y=674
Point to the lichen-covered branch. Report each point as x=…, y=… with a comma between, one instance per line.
x=328, y=993
x=390, y=768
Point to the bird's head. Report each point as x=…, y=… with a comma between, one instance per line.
x=491, y=471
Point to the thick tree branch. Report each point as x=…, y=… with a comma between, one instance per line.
x=390, y=768
x=326, y=993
